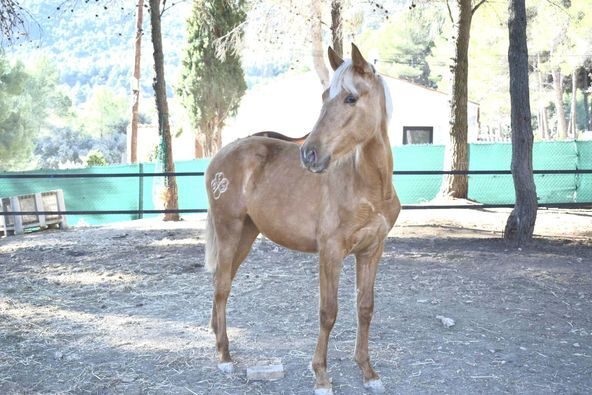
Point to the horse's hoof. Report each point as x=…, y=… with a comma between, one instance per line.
x=323, y=391
x=374, y=386
x=226, y=367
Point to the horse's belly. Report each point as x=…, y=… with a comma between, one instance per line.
x=291, y=239
x=284, y=215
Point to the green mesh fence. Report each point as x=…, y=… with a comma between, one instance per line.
x=85, y=193
x=584, y=181
x=192, y=193
x=499, y=188
x=413, y=189
x=134, y=193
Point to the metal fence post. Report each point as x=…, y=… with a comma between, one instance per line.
x=141, y=192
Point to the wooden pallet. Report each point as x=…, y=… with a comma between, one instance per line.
x=40, y=201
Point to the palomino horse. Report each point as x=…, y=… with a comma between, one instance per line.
x=333, y=196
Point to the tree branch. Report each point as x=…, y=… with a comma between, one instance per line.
x=12, y=20
x=477, y=6
x=449, y=12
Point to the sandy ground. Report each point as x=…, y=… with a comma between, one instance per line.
x=124, y=308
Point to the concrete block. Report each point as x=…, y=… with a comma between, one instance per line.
x=265, y=372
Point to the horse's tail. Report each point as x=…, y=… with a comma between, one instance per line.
x=211, y=246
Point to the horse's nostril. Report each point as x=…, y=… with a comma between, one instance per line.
x=312, y=156
x=308, y=155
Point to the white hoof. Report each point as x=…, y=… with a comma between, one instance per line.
x=375, y=386
x=323, y=391
x=226, y=367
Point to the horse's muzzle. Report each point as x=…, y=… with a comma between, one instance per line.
x=310, y=159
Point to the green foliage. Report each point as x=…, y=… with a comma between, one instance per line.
x=211, y=87
x=489, y=74
x=91, y=40
x=562, y=32
x=95, y=158
x=404, y=43
x=15, y=115
x=29, y=101
x=65, y=147
x=103, y=113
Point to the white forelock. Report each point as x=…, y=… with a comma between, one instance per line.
x=343, y=80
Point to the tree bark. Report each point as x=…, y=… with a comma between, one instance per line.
x=520, y=224
x=587, y=111
x=588, y=123
x=210, y=136
x=457, y=154
x=166, y=149
x=136, y=83
x=546, y=123
x=199, y=147
x=337, y=27
x=318, y=52
x=543, y=124
x=558, y=89
x=572, y=115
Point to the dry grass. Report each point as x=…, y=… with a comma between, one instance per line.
x=125, y=309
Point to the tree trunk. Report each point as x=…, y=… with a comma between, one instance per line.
x=558, y=89
x=318, y=52
x=456, y=157
x=136, y=83
x=337, y=27
x=546, y=123
x=211, y=138
x=166, y=151
x=199, y=147
x=543, y=124
x=572, y=115
x=588, y=123
x=520, y=224
x=587, y=111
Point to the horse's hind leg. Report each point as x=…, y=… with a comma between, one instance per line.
x=234, y=241
x=366, y=267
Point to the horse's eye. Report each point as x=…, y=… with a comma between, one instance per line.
x=351, y=99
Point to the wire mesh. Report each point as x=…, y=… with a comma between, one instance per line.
x=563, y=177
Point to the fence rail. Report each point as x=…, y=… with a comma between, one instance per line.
x=201, y=173
x=141, y=212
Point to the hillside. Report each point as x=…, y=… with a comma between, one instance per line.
x=93, y=43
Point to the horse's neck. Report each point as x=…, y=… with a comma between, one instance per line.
x=373, y=166
x=377, y=163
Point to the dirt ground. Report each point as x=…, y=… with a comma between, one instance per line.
x=124, y=308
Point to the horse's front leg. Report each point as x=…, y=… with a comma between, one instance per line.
x=366, y=268
x=331, y=263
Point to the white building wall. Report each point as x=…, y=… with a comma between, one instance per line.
x=414, y=105
x=291, y=105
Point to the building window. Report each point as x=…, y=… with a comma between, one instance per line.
x=418, y=134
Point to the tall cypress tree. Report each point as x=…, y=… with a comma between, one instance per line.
x=212, y=85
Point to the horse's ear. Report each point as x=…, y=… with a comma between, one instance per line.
x=334, y=59
x=360, y=64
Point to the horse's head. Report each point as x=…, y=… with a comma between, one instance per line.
x=354, y=108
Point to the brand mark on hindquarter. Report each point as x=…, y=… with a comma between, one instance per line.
x=219, y=185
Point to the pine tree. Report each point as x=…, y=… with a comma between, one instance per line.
x=212, y=85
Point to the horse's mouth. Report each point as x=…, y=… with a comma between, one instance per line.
x=320, y=166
